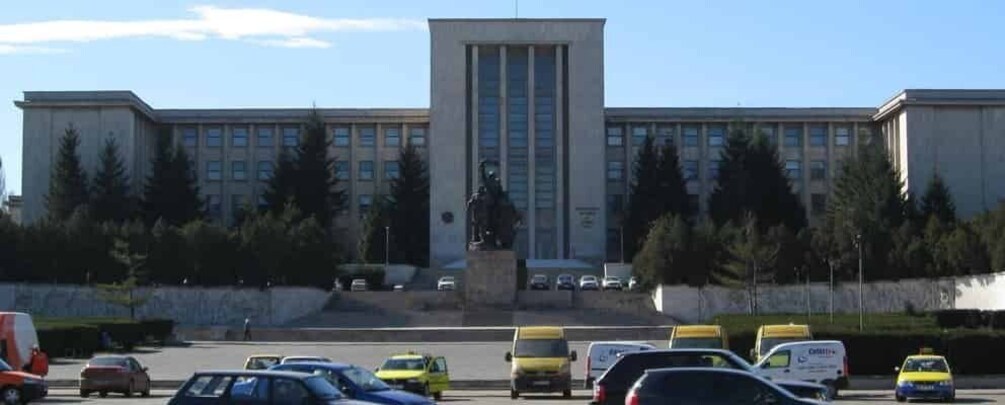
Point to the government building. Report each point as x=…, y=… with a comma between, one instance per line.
x=527, y=94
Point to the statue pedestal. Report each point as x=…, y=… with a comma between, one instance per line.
x=490, y=279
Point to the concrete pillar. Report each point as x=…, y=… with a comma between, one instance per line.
x=531, y=159
x=503, y=118
x=560, y=205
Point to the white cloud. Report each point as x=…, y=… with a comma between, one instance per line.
x=12, y=49
x=257, y=25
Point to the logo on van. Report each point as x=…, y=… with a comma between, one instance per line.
x=822, y=351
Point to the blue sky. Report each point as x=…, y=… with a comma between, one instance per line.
x=375, y=53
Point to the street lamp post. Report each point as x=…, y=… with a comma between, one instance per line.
x=861, y=316
x=387, y=245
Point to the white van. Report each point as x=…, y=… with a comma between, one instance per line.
x=820, y=361
x=602, y=355
x=17, y=337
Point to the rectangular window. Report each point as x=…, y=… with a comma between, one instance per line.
x=342, y=170
x=239, y=170
x=713, y=169
x=239, y=137
x=818, y=170
x=615, y=170
x=214, y=205
x=693, y=203
x=365, y=201
x=615, y=203
x=391, y=170
x=690, y=170
x=794, y=169
x=365, y=170
x=340, y=136
x=189, y=137
x=793, y=136
x=842, y=136
x=664, y=134
x=214, y=170
x=367, y=135
x=639, y=134
x=291, y=136
x=214, y=137
x=691, y=135
x=769, y=131
x=818, y=135
x=392, y=136
x=264, y=170
x=615, y=136
x=818, y=204
x=716, y=135
x=417, y=136
x=264, y=137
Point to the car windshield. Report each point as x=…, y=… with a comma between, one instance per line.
x=365, y=380
x=404, y=364
x=322, y=388
x=539, y=278
x=304, y=360
x=613, y=279
x=926, y=365
x=588, y=278
x=769, y=343
x=4, y=366
x=107, y=362
x=541, y=348
x=696, y=343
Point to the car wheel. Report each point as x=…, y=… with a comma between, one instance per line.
x=514, y=394
x=438, y=395
x=11, y=396
x=899, y=398
x=129, y=390
x=567, y=394
x=85, y=393
x=146, y=392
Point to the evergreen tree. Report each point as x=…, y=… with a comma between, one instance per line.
x=409, y=209
x=68, y=182
x=644, y=200
x=280, y=187
x=110, y=200
x=171, y=193
x=752, y=259
x=316, y=192
x=937, y=201
x=370, y=248
x=673, y=187
x=3, y=189
x=752, y=180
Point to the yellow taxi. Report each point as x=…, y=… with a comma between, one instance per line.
x=926, y=376
x=423, y=374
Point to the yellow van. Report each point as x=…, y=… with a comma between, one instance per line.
x=541, y=361
x=769, y=336
x=699, y=337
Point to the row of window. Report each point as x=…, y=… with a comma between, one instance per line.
x=689, y=168
x=264, y=136
x=214, y=204
x=792, y=135
x=239, y=170
x=616, y=204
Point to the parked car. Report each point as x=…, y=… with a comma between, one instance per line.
x=358, y=284
x=541, y=361
x=589, y=283
x=123, y=374
x=707, y=385
x=600, y=356
x=357, y=383
x=19, y=387
x=423, y=374
x=262, y=361
x=614, y=384
x=633, y=283
x=924, y=376
x=565, y=282
x=17, y=327
x=305, y=359
x=446, y=283
x=539, y=282
x=612, y=283
x=243, y=386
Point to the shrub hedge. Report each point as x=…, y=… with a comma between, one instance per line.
x=970, y=319
x=82, y=337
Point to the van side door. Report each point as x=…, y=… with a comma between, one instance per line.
x=777, y=365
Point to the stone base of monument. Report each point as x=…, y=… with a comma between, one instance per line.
x=490, y=280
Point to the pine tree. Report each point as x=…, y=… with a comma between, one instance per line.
x=751, y=260
x=644, y=199
x=937, y=201
x=188, y=204
x=171, y=193
x=315, y=186
x=68, y=183
x=409, y=209
x=110, y=200
x=280, y=187
x=371, y=246
x=752, y=180
x=673, y=188
x=3, y=189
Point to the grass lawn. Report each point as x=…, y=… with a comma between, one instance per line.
x=888, y=322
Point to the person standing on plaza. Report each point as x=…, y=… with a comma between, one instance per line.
x=247, y=329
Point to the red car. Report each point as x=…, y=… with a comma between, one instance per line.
x=104, y=374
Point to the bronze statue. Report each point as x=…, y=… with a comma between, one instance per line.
x=492, y=216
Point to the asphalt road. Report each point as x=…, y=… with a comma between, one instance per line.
x=500, y=398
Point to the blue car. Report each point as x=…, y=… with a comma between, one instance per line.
x=356, y=383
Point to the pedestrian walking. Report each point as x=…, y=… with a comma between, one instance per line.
x=247, y=329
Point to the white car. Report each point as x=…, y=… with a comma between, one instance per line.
x=358, y=284
x=446, y=283
x=612, y=283
x=587, y=283
x=305, y=359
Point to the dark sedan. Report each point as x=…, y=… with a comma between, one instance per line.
x=253, y=387
x=707, y=386
x=357, y=383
